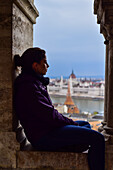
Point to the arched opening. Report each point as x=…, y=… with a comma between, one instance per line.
x=70, y=34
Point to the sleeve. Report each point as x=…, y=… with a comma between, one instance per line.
x=45, y=111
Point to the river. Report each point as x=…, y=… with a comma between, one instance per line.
x=84, y=105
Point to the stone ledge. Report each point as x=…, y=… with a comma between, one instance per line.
x=51, y=160
x=28, y=8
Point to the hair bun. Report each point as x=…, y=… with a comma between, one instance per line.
x=17, y=60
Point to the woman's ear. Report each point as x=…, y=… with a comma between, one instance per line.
x=35, y=66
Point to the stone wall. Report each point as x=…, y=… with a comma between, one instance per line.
x=16, y=34
x=5, y=66
x=22, y=31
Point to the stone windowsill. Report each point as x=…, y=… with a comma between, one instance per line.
x=52, y=160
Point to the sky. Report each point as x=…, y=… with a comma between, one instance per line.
x=68, y=31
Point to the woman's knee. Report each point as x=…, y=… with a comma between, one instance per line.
x=101, y=137
x=98, y=137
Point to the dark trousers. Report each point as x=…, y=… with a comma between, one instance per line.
x=71, y=136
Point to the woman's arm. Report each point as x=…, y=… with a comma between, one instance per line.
x=45, y=110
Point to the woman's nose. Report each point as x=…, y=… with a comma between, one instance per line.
x=47, y=65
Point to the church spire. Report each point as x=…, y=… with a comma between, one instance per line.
x=69, y=101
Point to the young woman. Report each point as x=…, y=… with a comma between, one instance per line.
x=44, y=126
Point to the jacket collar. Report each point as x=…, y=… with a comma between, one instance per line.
x=41, y=78
x=44, y=80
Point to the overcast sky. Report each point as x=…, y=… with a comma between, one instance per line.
x=68, y=31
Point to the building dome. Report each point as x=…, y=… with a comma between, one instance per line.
x=72, y=75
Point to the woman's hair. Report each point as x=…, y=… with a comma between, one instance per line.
x=30, y=56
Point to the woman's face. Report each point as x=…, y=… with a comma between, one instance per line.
x=41, y=68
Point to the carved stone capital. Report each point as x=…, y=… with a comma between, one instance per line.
x=100, y=12
x=103, y=30
x=107, y=31
x=28, y=8
x=104, y=123
x=106, y=136
x=101, y=128
x=108, y=130
x=106, y=42
x=104, y=11
x=110, y=32
x=96, y=3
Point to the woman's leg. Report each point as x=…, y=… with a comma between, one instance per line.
x=75, y=135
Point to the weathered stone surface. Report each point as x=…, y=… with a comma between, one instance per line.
x=5, y=105
x=28, y=8
x=8, y=147
x=5, y=66
x=6, y=98
x=52, y=160
x=22, y=31
x=109, y=157
x=6, y=7
x=5, y=120
x=8, y=140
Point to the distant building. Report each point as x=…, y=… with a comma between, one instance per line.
x=72, y=75
x=79, y=87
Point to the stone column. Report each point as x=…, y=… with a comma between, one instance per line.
x=104, y=11
x=106, y=83
x=109, y=127
x=16, y=34
x=104, y=122
x=110, y=86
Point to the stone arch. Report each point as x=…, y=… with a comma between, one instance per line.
x=11, y=40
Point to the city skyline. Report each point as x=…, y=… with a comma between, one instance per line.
x=69, y=33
